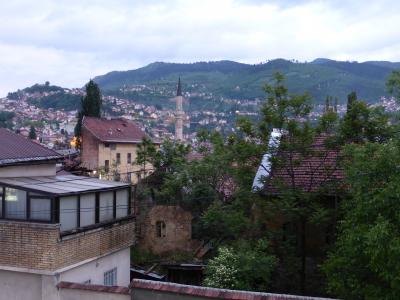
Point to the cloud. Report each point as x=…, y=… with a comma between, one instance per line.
x=68, y=42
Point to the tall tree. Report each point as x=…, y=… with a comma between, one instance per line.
x=393, y=84
x=364, y=263
x=91, y=105
x=32, y=133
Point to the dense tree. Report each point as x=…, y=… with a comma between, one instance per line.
x=363, y=123
x=91, y=105
x=364, y=263
x=6, y=119
x=243, y=266
x=393, y=84
x=32, y=133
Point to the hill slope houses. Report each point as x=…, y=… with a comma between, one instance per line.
x=230, y=79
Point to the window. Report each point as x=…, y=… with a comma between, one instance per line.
x=118, y=158
x=122, y=203
x=113, y=146
x=68, y=212
x=87, y=209
x=15, y=201
x=129, y=158
x=106, y=145
x=40, y=208
x=106, y=206
x=106, y=165
x=160, y=229
x=110, y=277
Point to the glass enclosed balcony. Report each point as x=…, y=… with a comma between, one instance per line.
x=77, y=203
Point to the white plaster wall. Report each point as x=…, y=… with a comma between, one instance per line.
x=18, y=285
x=28, y=170
x=67, y=294
x=94, y=270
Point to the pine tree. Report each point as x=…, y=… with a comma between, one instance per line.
x=90, y=106
x=32, y=133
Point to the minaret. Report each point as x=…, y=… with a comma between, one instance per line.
x=179, y=113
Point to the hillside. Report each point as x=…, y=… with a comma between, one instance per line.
x=228, y=79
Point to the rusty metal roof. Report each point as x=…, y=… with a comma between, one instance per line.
x=16, y=149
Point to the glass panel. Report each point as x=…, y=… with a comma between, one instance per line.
x=15, y=204
x=106, y=206
x=68, y=212
x=110, y=277
x=122, y=203
x=41, y=209
x=88, y=209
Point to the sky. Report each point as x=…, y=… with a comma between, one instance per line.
x=67, y=42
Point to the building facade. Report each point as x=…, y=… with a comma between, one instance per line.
x=58, y=228
x=110, y=148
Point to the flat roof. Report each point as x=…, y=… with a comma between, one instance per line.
x=61, y=185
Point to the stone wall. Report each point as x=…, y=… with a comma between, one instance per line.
x=39, y=247
x=178, y=230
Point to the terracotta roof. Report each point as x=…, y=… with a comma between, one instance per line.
x=114, y=130
x=319, y=170
x=15, y=149
x=93, y=287
x=206, y=292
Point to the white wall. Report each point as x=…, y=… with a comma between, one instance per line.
x=48, y=169
x=94, y=270
x=68, y=294
x=17, y=286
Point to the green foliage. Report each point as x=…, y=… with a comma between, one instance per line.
x=243, y=266
x=364, y=123
x=59, y=100
x=90, y=106
x=364, y=263
x=393, y=84
x=222, y=79
x=43, y=88
x=6, y=118
x=32, y=133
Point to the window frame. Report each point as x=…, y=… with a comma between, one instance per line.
x=111, y=276
x=118, y=158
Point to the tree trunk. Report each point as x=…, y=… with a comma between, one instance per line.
x=303, y=255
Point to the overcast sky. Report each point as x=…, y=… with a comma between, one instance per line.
x=69, y=42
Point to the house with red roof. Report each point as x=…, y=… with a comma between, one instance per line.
x=109, y=146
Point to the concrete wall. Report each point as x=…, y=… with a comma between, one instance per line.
x=68, y=294
x=45, y=169
x=17, y=286
x=138, y=294
x=95, y=269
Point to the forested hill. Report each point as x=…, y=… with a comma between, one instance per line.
x=229, y=79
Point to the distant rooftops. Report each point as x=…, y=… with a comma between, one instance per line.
x=114, y=130
x=16, y=149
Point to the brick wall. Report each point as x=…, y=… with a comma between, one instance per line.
x=90, y=150
x=38, y=246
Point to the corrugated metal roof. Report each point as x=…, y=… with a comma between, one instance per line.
x=15, y=149
x=61, y=185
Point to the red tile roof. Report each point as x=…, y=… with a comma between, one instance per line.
x=114, y=130
x=15, y=149
x=318, y=170
x=93, y=287
x=206, y=292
